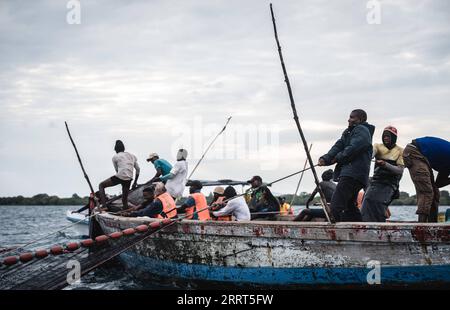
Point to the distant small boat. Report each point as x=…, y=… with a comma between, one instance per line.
x=82, y=222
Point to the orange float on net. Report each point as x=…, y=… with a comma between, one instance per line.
x=155, y=225
x=101, y=238
x=142, y=228
x=72, y=246
x=10, y=260
x=26, y=257
x=87, y=243
x=56, y=250
x=129, y=231
x=116, y=235
x=40, y=253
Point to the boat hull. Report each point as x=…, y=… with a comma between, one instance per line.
x=291, y=254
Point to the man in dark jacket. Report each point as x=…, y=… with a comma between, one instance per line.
x=352, y=153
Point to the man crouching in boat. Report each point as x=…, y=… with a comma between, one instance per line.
x=262, y=203
x=352, y=153
x=157, y=204
x=196, y=207
x=235, y=206
x=384, y=185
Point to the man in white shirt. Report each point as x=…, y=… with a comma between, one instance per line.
x=176, y=179
x=124, y=163
x=237, y=207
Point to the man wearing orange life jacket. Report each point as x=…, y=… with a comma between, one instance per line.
x=196, y=207
x=216, y=204
x=158, y=203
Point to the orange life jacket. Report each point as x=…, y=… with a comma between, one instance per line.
x=286, y=209
x=223, y=217
x=169, y=207
x=200, y=204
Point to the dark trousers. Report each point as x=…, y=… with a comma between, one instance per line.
x=376, y=202
x=423, y=179
x=343, y=203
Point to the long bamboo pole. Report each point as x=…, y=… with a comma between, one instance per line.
x=297, y=122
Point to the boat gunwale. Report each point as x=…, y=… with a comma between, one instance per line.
x=340, y=225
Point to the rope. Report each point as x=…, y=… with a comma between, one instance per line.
x=21, y=247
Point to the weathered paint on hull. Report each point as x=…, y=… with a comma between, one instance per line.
x=309, y=276
x=286, y=253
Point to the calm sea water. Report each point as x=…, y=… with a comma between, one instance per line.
x=22, y=224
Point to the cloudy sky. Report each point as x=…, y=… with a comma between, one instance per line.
x=165, y=74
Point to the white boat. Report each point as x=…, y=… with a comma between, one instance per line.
x=81, y=220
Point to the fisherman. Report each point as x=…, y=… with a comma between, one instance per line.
x=196, y=207
x=261, y=200
x=421, y=156
x=161, y=165
x=157, y=203
x=216, y=203
x=176, y=178
x=352, y=153
x=328, y=188
x=235, y=206
x=384, y=185
x=124, y=163
x=285, y=208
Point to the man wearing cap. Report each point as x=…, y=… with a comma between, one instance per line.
x=260, y=199
x=216, y=203
x=162, y=166
x=421, y=157
x=384, y=185
x=196, y=207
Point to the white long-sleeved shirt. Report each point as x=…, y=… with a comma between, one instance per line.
x=124, y=163
x=175, y=185
x=236, y=207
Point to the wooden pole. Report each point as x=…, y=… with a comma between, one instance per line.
x=209, y=146
x=79, y=160
x=297, y=122
x=301, y=178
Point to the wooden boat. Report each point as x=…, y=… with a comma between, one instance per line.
x=291, y=254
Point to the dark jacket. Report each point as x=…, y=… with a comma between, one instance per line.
x=353, y=153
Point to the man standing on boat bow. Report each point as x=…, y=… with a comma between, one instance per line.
x=352, y=154
x=124, y=163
